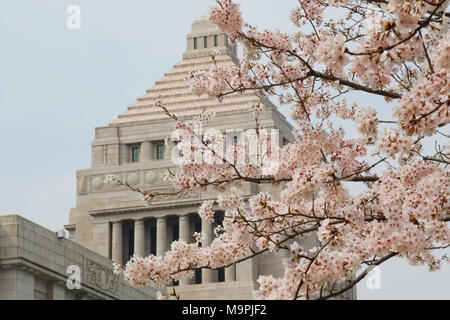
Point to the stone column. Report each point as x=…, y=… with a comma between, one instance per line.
x=230, y=273
x=117, y=250
x=184, y=236
x=207, y=229
x=146, y=151
x=139, y=238
x=184, y=228
x=161, y=235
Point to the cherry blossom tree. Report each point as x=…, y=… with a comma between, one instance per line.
x=394, y=49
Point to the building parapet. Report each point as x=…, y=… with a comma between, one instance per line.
x=36, y=264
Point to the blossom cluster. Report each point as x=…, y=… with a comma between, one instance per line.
x=331, y=52
x=228, y=17
x=397, y=50
x=392, y=142
x=366, y=121
x=426, y=107
x=205, y=211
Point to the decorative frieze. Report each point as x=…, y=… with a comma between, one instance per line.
x=142, y=178
x=101, y=277
x=151, y=176
x=81, y=185
x=97, y=182
x=170, y=194
x=133, y=178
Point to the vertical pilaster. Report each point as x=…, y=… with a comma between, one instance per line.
x=146, y=151
x=123, y=154
x=247, y=270
x=55, y=291
x=230, y=273
x=168, y=147
x=101, y=236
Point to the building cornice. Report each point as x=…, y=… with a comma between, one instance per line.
x=108, y=212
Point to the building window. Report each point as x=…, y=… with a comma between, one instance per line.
x=195, y=43
x=216, y=41
x=235, y=140
x=159, y=151
x=135, y=154
x=205, y=42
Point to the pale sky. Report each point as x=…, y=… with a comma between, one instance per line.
x=57, y=85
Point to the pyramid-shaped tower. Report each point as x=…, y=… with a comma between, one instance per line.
x=113, y=221
x=173, y=89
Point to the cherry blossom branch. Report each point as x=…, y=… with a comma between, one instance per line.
x=368, y=179
x=309, y=267
x=313, y=73
x=409, y=37
x=360, y=277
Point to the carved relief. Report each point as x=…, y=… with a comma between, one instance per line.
x=156, y=176
x=151, y=177
x=101, y=277
x=81, y=185
x=172, y=195
x=133, y=178
x=97, y=182
x=114, y=184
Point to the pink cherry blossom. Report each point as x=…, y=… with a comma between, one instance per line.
x=396, y=50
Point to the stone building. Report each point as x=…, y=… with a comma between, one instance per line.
x=114, y=222
x=36, y=264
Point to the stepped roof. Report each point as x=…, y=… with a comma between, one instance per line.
x=173, y=88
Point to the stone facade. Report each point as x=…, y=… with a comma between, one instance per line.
x=113, y=221
x=35, y=265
